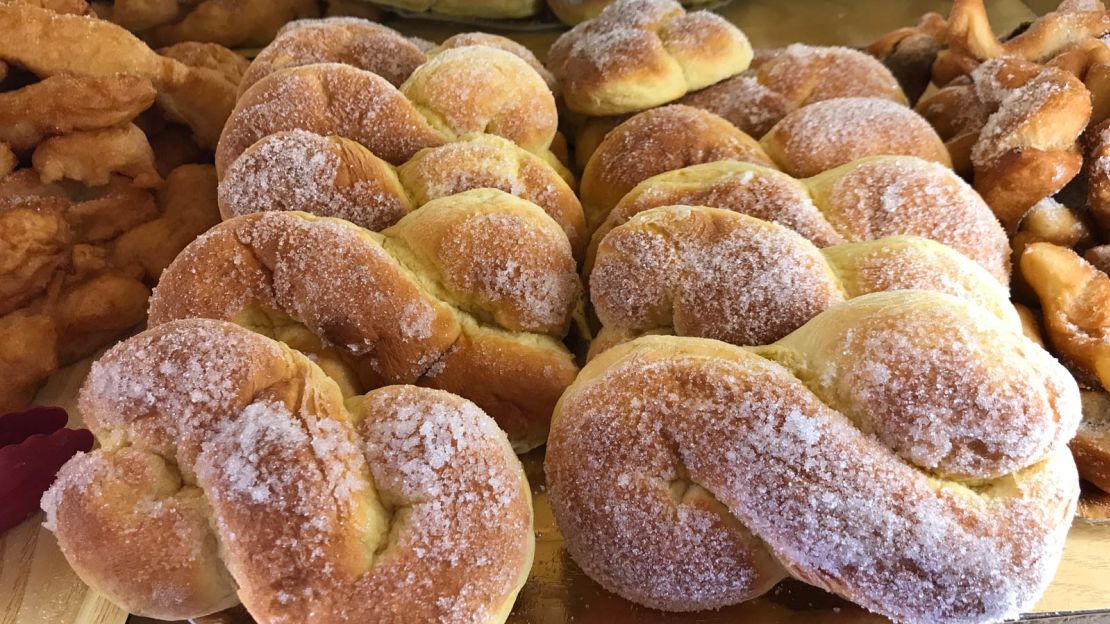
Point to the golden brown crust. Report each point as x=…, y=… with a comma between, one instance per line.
x=502, y=43
x=811, y=464
x=424, y=283
x=711, y=273
x=234, y=22
x=267, y=485
x=910, y=52
x=830, y=133
x=638, y=54
x=653, y=142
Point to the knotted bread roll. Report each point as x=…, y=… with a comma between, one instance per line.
x=460, y=91
x=904, y=450
x=642, y=53
x=232, y=468
x=711, y=273
x=469, y=294
x=337, y=177
x=863, y=200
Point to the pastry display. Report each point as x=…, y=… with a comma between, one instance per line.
x=470, y=293
x=98, y=190
x=712, y=273
x=403, y=505
x=689, y=474
x=364, y=317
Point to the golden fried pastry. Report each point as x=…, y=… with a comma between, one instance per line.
x=638, y=54
x=66, y=103
x=93, y=156
x=909, y=53
x=1030, y=324
x=138, y=15
x=656, y=141
x=1075, y=299
x=1098, y=175
x=689, y=474
x=1089, y=61
x=459, y=92
x=971, y=39
x=1052, y=222
x=49, y=44
x=337, y=177
x=76, y=7
x=863, y=200
x=228, y=63
x=402, y=505
x=712, y=273
x=80, y=264
x=1091, y=445
x=830, y=133
x=1099, y=257
x=8, y=159
x=466, y=294
x=1014, y=124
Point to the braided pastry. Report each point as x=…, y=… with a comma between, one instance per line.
x=719, y=274
x=778, y=82
x=231, y=468
x=911, y=52
x=1015, y=125
x=638, y=54
x=863, y=200
x=459, y=92
x=468, y=294
x=904, y=450
x=336, y=177
x=807, y=141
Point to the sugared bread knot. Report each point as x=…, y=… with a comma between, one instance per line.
x=638, y=54
x=863, y=200
x=656, y=141
x=830, y=133
x=336, y=177
x=793, y=77
x=778, y=82
x=905, y=450
x=459, y=92
x=231, y=468
x=367, y=45
x=356, y=42
x=712, y=273
x=469, y=294
x=1014, y=124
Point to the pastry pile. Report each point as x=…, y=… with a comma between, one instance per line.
x=761, y=315
x=102, y=141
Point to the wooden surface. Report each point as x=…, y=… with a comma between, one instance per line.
x=38, y=587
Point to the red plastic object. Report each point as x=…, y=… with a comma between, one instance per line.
x=33, y=446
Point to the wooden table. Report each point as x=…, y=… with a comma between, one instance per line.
x=38, y=587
